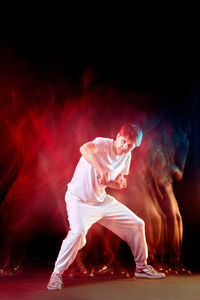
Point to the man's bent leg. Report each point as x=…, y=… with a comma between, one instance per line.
x=81, y=217
x=129, y=227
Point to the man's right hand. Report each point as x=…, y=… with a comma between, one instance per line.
x=103, y=178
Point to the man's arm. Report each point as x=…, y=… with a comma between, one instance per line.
x=88, y=151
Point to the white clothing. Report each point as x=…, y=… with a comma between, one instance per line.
x=88, y=203
x=85, y=184
x=111, y=214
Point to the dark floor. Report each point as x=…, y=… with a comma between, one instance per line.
x=31, y=284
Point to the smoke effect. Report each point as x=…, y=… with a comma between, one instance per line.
x=42, y=129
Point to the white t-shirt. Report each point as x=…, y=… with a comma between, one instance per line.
x=85, y=184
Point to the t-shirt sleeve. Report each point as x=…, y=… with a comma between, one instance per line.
x=100, y=144
x=126, y=168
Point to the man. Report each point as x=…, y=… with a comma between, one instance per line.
x=104, y=163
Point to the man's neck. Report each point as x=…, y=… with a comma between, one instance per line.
x=114, y=147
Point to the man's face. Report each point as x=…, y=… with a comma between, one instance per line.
x=124, y=144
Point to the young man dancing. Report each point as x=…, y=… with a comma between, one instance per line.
x=104, y=163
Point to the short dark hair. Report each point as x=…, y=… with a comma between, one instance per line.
x=133, y=132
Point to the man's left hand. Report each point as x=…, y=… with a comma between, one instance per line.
x=121, y=180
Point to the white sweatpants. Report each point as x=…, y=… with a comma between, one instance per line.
x=111, y=214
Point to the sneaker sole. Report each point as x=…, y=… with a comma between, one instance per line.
x=54, y=288
x=138, y=275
